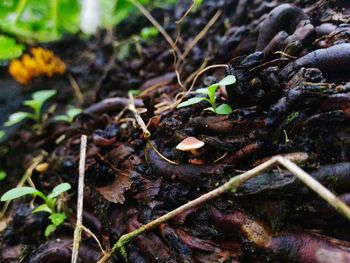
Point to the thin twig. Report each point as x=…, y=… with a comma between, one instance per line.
x=148, y=15
x=186, y=13
x=314, y=185
x=76, y=89
x=200, y=200
x=201, y=34
x=202, y=66
x=152, y=88
x=231, y=186
x=159, y=154
x=94, y=237
x=177, y=72
x=204, y=70
x=78, y=226
x=139, y=120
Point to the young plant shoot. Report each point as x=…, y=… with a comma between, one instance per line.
x=49, y=206
x=210, y=92
x=71, y=113
x=35, y=104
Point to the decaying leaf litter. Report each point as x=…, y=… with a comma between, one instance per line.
x=290, y=98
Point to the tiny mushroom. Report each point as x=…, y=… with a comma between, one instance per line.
x=191, y=144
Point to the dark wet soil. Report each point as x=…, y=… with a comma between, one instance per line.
x=290, y=59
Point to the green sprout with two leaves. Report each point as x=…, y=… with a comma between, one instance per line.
x=36, y=105
x=69, y=116
x=49, y=206
x=210, y=92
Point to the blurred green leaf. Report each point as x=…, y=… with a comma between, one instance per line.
x=211, y=93
x=223, y=109
x=59, y=189
x=70, y=115
x=149, y=32
x=202, y=91
x=42, y=208
x=190, y=101
x=68, y=16
x=50, y=229
x=57, y=218
x=18, y=192
x=9, y=49
x=45, y=21
x=17, y=117
x=34, y=104
x=43, y=95
x=228, y=80
x=73, y=112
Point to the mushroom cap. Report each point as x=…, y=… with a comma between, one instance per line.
x=190, y=143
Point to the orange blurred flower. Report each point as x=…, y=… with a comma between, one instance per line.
x=42, y=62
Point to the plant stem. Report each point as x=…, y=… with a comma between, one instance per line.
x=19, y=9
x=78, y=227
x=49, y=202
x=314, y=185
x=157, y=25
x=232, y=186
x=139, y=120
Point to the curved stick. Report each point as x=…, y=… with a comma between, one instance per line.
x=232, y=186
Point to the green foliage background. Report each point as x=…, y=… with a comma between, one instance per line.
x=31, y=21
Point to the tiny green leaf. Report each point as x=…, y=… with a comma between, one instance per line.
x=43, y=95
x=202, y=91
x=34, y=104
x=210, y=109
x=18, y=192
x=211, y=93
x=228, y=80
x=223, y=109
x=2, y=175
x=70, y=115
x=57, y=218
x=17, y=117
x=49, y=229
x=190, y=101
x=59, y=189
x=73, y=112
x=42, y=208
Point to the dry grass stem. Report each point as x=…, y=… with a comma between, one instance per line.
x=231, y=186
x=79, y=223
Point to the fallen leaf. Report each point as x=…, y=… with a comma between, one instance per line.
x=114, y=192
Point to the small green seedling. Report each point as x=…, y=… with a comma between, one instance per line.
x=49, y=206
x=223, y=109
x=71, y=113
x=36, y=104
